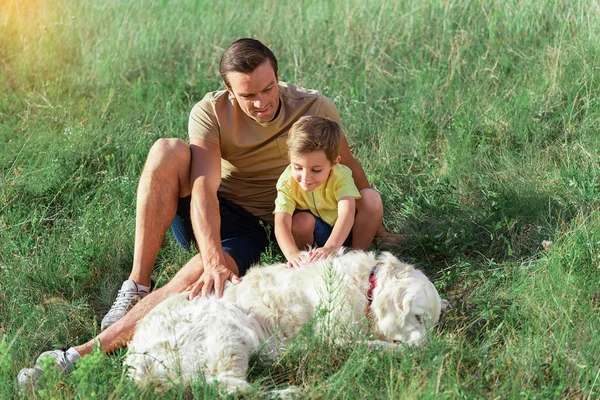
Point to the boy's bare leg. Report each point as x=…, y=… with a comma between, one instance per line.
x=165, y=178
x=120, y=333
x=303, y=227
x=369, y=216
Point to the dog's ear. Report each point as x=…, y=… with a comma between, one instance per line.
x=392, y=267
x=403, y=302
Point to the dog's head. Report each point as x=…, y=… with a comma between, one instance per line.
x=405, y=303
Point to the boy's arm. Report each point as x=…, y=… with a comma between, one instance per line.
x=285, y=240
x=341, y=229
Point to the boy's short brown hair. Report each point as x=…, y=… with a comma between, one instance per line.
x=310, y=134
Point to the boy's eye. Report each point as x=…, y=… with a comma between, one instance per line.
x=316, y=171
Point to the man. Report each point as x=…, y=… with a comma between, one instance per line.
x=218, y=191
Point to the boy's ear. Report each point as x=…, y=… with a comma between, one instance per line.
x=336, y=161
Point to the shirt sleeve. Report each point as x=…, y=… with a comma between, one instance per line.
x=203, y=123
x=328, y=109
x=284, y=202
x=345, y=186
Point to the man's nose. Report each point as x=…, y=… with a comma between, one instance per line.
x=259, y=101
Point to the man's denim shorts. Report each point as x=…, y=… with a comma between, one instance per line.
x=323, y=231
x=243, y=235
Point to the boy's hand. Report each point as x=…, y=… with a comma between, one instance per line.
x=295, y=262
x=322, y=253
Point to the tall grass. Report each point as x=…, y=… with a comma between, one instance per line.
x=477, y=122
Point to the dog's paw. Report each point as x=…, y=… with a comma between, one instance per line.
x=445, y=305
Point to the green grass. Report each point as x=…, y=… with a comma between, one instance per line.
x=477, y=121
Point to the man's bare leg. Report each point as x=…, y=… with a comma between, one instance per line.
x=120, y=333
x=165, y=178
x=387, y=240
x=369, y=216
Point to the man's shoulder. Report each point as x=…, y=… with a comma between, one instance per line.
x=296, y=96
x=206, y=114
x=212, y=98
x=297, y=92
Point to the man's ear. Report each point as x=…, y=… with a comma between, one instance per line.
x=227, y=87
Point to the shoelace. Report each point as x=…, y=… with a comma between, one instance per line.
x=124, y=299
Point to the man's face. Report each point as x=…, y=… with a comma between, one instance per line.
x=256, y=92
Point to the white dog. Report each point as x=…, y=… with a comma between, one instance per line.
x=181, y=339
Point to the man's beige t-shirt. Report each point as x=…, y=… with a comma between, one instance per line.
x=253, y=155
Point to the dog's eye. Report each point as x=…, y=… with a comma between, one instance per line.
x=418, y=317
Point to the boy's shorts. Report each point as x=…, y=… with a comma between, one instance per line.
x=243, y=235
x=323, y=231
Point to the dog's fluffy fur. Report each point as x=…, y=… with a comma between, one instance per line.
x=180, y=339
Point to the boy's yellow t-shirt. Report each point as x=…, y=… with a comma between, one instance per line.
x=253, y=155
x=323, y=201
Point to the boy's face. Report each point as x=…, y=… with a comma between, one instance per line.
x=312, y=169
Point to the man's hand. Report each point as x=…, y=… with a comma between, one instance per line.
x=322, y=253
x=212, y=277
x=295, y=261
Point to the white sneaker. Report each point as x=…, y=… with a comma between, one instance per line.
x=127, y=297
x=29, y=376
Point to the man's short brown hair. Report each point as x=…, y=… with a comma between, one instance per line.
x=245, y=55
x=310, y=134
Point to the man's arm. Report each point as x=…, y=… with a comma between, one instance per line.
x=358, y=173
x=205, y=175
x=361, y=182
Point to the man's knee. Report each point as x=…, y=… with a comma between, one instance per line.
x=169, y=160
x=303, y=223
x=168, y=152
x=370, y=202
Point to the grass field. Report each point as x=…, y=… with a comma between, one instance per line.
x=478, y=122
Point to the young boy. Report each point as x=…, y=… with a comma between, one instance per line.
x=316, y=194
